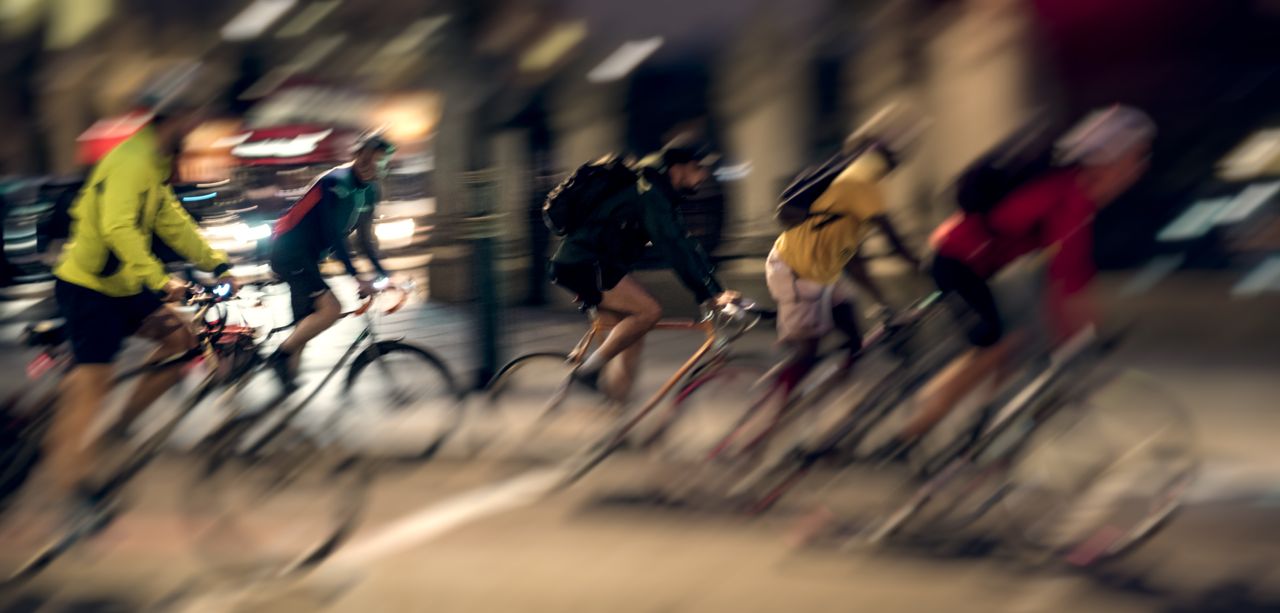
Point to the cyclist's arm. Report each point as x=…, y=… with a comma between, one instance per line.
x=856, y=268
x=120, y=204
x=179, y=231
x=1069, y=239
x=368, y=242
x=666, y=230
x=852, y=195
x=886, y=227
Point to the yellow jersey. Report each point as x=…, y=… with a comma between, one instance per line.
x=125, y=202
x=819, y=248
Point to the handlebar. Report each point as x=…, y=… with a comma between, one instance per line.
x=204, y=298
x=735, y=317
x=402, y=296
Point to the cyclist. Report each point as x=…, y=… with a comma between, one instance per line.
x=804, y=268
x=1102, y=157
x=596, y=259
x=110, y=285
x=317, y=226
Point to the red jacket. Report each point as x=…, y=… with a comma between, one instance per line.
x=1050, y=211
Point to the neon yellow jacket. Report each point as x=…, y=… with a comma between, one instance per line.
x=123, y=204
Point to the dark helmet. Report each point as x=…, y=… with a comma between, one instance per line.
x=683, y=150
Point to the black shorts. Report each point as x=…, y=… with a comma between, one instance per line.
x=97, y=324
x=305, y=284
x=587, y=282
x=976, y=305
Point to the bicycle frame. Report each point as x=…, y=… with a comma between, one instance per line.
x=719, y=335
x=56, y=359
x=992, y=423
x=367, y=336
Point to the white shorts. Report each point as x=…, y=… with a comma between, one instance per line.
x=804, y=307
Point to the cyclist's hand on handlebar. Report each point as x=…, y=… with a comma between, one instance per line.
x=718, y=302
x=175, y=290
x=726, y=298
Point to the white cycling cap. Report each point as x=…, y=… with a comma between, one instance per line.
x=1104, y=135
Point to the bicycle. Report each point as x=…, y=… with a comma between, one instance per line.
x=234, y=359
x=1045, y=425
x=263, y=453
x=758, y=463
x=28, y=416
x=527, y=377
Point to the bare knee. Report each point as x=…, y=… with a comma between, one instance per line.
x=327, y=308
x=648, y=313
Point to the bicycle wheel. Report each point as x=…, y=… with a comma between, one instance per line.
x=278, y=512
x=36, y=532
x=853, y=413
x=535, y=414
x=20, y=438
x=1101, y=473
x=400, y=400
x=711, y=429
x=940, y=513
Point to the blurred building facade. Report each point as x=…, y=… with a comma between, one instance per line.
x=522, y=89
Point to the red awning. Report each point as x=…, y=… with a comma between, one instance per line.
x=294, y=145
x=105, y=134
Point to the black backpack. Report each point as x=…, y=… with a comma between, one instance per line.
x=798, y=198
x=570, y=203
x=1012, y=163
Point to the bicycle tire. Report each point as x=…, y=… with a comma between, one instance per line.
x=615, y=438
x=64, y=539
x=536, y=413
x=1145, y=500
x=20, y=448
x=773, y=481
x=442, y=412
x=940, y=510
x=277, y=513
x=707, y=447
x=577, y=467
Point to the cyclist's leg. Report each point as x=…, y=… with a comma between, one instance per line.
x=80, y=397
x=636, y=312
x=315, y=308
x=619, y=375
x=801, y=321
x=844, y=316
x=165, y=327
x=990, y=351
x=324, y=312
x=857, y=270
x=96, y=325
